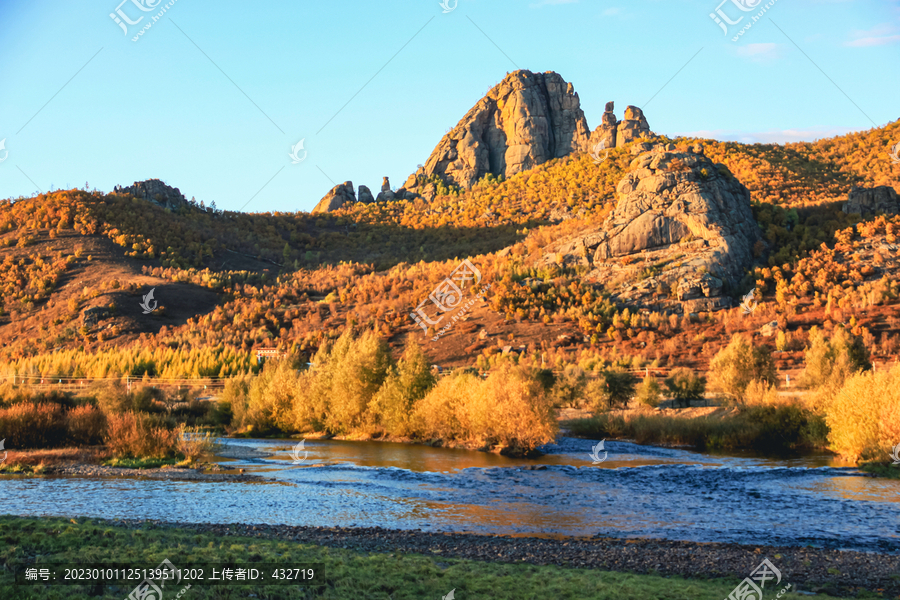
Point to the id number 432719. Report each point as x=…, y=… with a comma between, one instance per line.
x=294, y=574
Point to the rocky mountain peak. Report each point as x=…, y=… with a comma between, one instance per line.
x=155, y=191
x=339, y=195
x=524, y=121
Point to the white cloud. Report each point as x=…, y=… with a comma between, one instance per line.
x=880, y=35
x=772, y=136
x=874, y=41
x=611, y=12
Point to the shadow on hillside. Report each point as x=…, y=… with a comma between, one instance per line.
x=388, y=245
x=172, y=305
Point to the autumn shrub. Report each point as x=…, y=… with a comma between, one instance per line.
x=830, y=362
x=864, y=416
x=139, y=435
x=312, y=398
x=782, y=428
x=685, y=386
x=236, y=396
x=759, y=393
x=437, y=415
x=568, y=388
x=649, y=392
x=510, y=409
x=350, y=373
x=111, y=397
x=270, y=404
x=611, y=389
x=86, y=425
x=406, y=384
x=739, y=363
x=28, y=425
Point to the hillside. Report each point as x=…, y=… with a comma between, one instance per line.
x=230, y=282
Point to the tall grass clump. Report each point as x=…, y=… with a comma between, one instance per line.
x=779, y=429
x=193, y=443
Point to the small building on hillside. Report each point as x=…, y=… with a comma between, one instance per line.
x=264, y=353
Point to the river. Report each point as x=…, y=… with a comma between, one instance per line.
x=638, y=491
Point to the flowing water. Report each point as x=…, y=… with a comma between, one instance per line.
x=638, y=491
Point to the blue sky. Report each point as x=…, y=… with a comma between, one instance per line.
x=212, y=97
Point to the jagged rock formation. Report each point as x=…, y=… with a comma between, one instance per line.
x=155, y=191
x=343, y=194
x=681, y=229
x=524, y=121
x=632, y=126
x=612, y=133
x=605, y=134
x=867, y=201
x=385, y=195
x=365, y=195
x=338, y=196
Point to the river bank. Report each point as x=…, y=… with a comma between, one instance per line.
x=385, y=563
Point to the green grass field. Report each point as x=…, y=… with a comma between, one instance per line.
x=343, y=573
